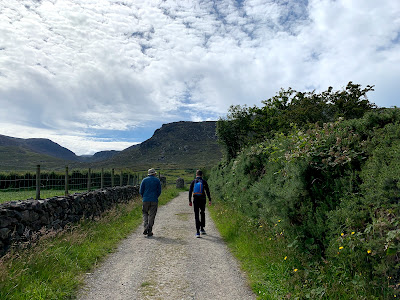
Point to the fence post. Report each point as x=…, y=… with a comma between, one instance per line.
x=112, y=177
x=66, y=181
x=102, y=178
x=88, y=181
x=129, y=178
x=37, y=182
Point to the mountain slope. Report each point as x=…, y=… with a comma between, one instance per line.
x=41, y=146
x=15, y=158
x=178, y=144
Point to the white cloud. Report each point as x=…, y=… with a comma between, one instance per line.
x=75, y=67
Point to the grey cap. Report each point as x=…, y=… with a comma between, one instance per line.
x=151, y=172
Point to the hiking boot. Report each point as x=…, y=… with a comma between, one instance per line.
x=203, y=231
x=198, y=234
x=150, y=234
x=146, y=231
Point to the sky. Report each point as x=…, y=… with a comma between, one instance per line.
x=99, y=75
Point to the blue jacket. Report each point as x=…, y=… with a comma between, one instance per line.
x=150, y=189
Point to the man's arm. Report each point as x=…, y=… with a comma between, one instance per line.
x=141, y=189
x=191, y=191
x=206, y=188
x=159, y=189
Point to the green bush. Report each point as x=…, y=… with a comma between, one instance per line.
x=333, y=191
x=370, y=219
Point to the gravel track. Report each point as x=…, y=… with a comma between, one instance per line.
x=172, y=264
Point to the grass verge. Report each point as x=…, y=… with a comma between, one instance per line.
x=277, y=271
x=262, y=252
x=55, y=266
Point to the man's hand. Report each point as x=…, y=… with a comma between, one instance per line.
x=190, y=203
x=209, y=202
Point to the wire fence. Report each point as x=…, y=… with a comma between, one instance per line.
x=40, y=184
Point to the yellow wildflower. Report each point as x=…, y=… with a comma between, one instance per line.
x=285, y=258
x=353, y=233
x=369, y=251
x=295, y=270
x=342, y=234
x=341, y=247
x=260, y=226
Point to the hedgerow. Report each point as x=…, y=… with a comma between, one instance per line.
x=333, y=191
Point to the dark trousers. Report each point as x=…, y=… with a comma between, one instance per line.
x=199, y=206
x=149, y=211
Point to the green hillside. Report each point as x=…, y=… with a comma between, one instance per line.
x=174, y=145
x=14, y=158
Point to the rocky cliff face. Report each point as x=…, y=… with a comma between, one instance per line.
x=179, y=144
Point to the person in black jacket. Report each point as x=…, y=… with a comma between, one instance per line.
x=199, y=190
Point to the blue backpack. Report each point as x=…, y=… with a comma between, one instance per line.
x=198, y=188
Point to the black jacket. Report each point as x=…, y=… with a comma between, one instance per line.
x=205, y=191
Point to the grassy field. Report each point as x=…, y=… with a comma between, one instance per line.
x=55, y=266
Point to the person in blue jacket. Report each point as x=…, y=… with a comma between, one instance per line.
x=150, y=190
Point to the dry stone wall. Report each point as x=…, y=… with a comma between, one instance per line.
x=20, y=220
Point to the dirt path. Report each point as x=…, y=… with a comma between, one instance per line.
x=172, y=264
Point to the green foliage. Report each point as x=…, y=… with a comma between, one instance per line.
x=320, y=182
x=246, y=126
x=370, y=219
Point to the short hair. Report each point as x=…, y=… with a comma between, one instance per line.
x=199, y=173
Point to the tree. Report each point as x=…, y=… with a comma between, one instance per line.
x=351, y=103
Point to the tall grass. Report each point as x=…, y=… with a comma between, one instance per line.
x=55, y=266
x=262, y=252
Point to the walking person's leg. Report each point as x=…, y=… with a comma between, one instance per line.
x=145, y=212
x=202, y=215
x=152, y=215
x=196, y=208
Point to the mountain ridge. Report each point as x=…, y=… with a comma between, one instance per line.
x=182, y=144
x=39, y=145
